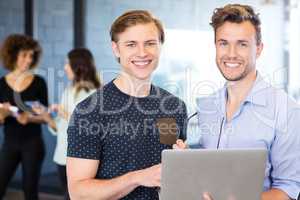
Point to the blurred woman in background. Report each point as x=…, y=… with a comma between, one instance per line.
x=23, y=142
x=81, y=71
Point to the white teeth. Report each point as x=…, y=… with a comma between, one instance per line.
x=141, y=63
x=232, y=65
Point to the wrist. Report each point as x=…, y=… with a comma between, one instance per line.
x=46, y=117
x=134, y=178
x=5, y=114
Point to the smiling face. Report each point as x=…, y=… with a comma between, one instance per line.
x=24, y=60
x=138, y=49
x=237, y=50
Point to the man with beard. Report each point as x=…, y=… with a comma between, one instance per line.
x=248, y=112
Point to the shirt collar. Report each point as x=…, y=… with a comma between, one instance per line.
x=256, y=95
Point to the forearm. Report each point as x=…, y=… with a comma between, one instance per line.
x=51, y=123
x=38, y=119
x=1, y=120
x=2, y=117
x=111, y=189
x=274, y=194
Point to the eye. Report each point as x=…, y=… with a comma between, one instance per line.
x=150, y=44
x=243, y=44
x=130, y=45
x=30, y=55
x=223, y=43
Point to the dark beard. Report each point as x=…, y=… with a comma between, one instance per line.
x=243, y=75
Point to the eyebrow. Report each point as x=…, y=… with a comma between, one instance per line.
x=239, y=41
x=133, y=41
x=130, y=41
x=243, y=41
x=152, y=40
x=221, y=40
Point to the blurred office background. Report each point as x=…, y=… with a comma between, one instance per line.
x=187, y=67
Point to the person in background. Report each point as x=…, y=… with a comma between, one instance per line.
x=81, y=71
x=23, y=143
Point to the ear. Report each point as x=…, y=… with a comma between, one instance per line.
x=115, y=49
x=259, y=49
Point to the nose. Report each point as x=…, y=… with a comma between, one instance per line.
x=232, y=53
x=142, y=52
x=65, y=68
x=29, y=59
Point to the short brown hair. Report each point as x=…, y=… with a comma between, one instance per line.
x=12, y=46
x=236, y=13
x=132, y=18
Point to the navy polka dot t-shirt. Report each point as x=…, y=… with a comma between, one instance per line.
x=120, y=131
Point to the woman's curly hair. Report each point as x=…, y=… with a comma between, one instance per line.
x=12, y=46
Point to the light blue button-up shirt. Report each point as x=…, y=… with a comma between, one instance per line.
x=267, y=118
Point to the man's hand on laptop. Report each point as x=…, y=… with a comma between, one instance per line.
x=149, y=177
x=206, y=196
x=180, y=144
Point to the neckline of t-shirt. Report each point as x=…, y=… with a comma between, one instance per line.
x=152, y=92
x=24, y=90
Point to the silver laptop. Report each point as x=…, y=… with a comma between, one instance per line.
x=231, y=174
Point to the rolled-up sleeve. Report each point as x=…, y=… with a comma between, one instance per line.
x=285, y=155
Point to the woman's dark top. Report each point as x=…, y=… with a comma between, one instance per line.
x=36, y=91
